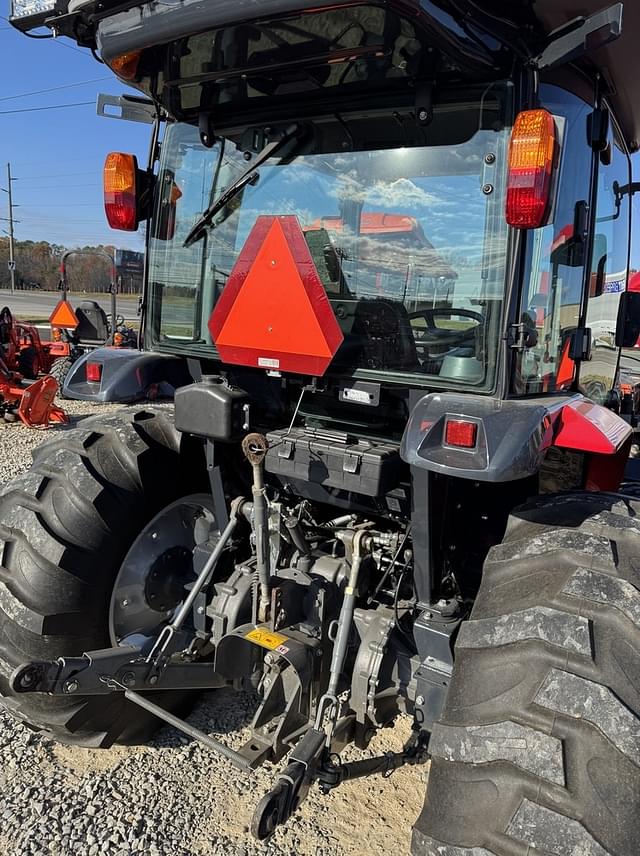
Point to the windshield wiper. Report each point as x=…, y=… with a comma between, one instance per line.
x=249, y=176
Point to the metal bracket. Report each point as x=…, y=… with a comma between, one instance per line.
x=128, y=107
x=520, y=337
x=434, y=631
x=581, y=36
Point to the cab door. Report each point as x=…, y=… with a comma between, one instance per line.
x=609, y=269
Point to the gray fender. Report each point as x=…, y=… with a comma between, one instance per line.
x=126, y=375
x=512, y=436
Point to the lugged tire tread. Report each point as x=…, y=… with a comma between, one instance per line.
x=591, y=704
x=64, y=527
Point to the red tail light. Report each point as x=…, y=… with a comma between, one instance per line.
x=461, y=433
x=94, y=372
x=531, y=159
x=120, y=191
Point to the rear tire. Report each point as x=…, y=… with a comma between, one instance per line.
x=59, y=370
x=538, y=746
x=65, y=527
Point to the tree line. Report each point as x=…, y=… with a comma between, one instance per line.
x=38, y=266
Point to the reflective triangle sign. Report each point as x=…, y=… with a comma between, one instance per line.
x=274, y=312
x=63, y=315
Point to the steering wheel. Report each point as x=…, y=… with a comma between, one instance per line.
x=433, y=342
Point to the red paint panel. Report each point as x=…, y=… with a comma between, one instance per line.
x=588, y=427
x=274, y=312
x=566, y=369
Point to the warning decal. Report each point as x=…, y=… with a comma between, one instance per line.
x=268, y=639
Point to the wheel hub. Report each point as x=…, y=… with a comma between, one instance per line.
x=164, y=586
x=159, y=565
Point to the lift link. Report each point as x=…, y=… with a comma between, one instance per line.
x=254, y=447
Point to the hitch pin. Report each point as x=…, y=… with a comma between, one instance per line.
x=168, y=632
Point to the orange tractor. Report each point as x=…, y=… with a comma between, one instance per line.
x=22, y=349
x=23, y=355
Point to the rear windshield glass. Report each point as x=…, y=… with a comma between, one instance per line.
x=410, y=242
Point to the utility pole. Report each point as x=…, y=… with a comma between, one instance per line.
x=12, y=259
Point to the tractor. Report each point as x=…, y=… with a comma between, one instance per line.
x=21, y=348
x=388, y=245
x=78, y=332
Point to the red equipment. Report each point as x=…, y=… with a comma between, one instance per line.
x=22, y=350
x=33, y=405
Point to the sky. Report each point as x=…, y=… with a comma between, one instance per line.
x=57, y=154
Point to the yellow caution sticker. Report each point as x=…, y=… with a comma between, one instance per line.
x=268, y=639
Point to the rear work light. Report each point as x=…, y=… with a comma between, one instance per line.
x=94, y=372
x=461, y=433
x=531, y=158
x=121, y=191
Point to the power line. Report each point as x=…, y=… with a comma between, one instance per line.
x=54, y=88
x=62, y=186
x=40, y=207
x=57, y=174
x=48, y=107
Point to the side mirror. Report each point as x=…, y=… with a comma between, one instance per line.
x=628, y=324
x=164, y=223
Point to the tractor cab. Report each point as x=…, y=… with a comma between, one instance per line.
x=374, y=129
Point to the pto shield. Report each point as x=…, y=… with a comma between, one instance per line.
x=274, y=312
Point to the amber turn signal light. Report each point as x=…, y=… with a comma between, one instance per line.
x=121, y=191
x=531, y=159
x=125, y=65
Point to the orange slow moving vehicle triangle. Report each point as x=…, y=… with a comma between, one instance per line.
x=274, y=312
x=63, y=315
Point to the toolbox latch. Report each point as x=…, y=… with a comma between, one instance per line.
x=351, y=462
x=285, y=449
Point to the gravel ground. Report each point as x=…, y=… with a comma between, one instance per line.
x=174, y=797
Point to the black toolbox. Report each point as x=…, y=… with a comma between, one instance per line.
x=334, y=459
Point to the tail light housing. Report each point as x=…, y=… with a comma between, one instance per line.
x=532, y=154
x=56, y=334
x=121, y=191
x=94, y=372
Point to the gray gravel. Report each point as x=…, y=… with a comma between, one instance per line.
x=174, y=797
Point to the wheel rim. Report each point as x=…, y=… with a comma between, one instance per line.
x=151, y=580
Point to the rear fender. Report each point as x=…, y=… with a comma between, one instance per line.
x=513, y=437
x=126, y=375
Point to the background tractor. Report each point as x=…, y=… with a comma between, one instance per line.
x=22, y=350
x=387, y=254
x=78, y=332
